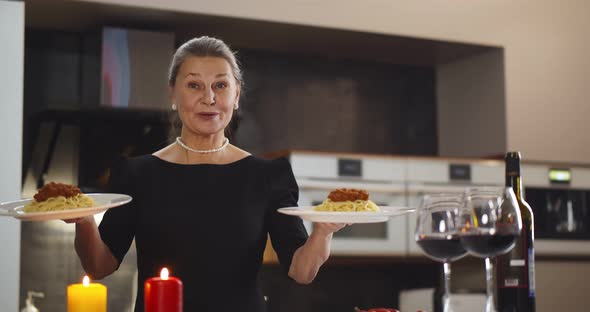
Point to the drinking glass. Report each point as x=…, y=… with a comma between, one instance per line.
x=437, y=233
x=490, y=223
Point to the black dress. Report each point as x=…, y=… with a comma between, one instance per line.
x=207, y=224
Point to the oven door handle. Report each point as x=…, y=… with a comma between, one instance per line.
x=306, y=184
x=418, y=189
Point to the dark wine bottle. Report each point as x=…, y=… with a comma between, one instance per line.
x=515, y=271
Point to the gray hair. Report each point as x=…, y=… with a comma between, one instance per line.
x=202, y=47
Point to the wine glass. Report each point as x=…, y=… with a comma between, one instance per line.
x=490, y=223
x=437, y=233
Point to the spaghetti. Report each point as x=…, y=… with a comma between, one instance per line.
x=347, y=206
x=348, y=200
x=58, y=196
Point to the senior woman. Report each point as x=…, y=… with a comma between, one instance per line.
x=201, y=206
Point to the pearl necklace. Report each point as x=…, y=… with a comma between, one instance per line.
x=213, y=150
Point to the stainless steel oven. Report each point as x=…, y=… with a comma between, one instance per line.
x=383, y=177
x=560, y=199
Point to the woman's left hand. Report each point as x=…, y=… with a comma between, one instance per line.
x=316, y=250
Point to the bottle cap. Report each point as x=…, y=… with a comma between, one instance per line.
x=513, y=164
x=29, y=304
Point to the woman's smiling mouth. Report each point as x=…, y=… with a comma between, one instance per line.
x=207, y=115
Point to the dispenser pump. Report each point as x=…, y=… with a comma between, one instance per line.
x=29, y=305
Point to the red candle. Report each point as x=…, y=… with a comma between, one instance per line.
x=163, y=294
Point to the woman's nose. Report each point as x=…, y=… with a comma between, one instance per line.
x=208, y=97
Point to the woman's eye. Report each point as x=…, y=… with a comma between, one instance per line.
x=193, y=85
x=221, y=85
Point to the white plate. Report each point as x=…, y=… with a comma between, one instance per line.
x=103, y=201
x=308, y=214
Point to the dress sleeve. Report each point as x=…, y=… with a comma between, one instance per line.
x=117, y=227
x=287, y=233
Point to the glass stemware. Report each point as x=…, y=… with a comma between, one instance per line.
x=490, y=223
x=437, y=233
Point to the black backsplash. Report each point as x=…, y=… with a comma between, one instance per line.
x=341, y=105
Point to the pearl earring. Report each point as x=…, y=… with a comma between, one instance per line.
x=173, y=106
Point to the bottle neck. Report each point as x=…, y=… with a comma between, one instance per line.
x=513, y=179
x=516, y=184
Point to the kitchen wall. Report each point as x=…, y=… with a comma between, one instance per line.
x=12, y=30
x=546, y=48
x=471, y=106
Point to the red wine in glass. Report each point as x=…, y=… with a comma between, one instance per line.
x=485, y=245
x=443, y=249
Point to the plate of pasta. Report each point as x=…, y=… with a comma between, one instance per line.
x=346, y=206
x=57, y=201
x=309, y=213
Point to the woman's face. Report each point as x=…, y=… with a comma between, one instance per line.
x=206, y=94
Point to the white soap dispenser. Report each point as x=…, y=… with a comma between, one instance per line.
x=29, y=305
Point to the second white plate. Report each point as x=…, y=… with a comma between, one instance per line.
x=309, y=214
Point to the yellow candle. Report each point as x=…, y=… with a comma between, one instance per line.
x=87, y=297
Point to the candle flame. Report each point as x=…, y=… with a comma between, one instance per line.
x=86, y=281
x=164, y=274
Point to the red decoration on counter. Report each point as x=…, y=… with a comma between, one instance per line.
x=163, y=294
